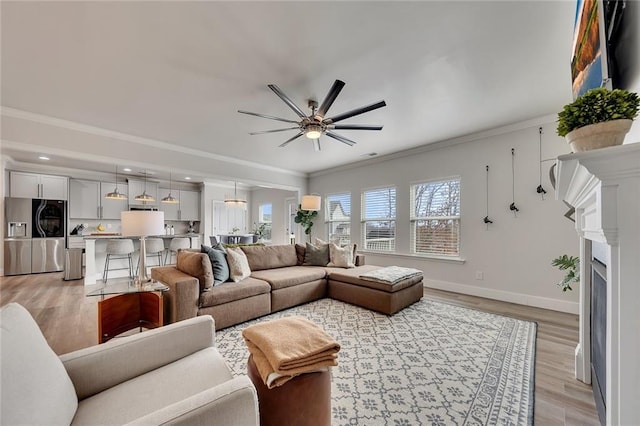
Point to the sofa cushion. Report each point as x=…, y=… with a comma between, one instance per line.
x=219, y=264
x=197, y=265
x=269, y=257
x=238, y=264
x=154, y=390
x=352, y=276
x=36, y=388
x=230, y=292
x=300, y=250
x=316, y=255
x=290, y=276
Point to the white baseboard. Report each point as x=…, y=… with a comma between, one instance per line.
x=505, y=296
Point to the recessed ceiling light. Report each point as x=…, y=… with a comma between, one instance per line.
x=127, y=169
x=369, y=154
x=187, y=178
x=42, y=157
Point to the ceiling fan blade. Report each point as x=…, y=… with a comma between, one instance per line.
x=273, y=131
x=355, y=127
x=330, y=98
x=287, y=142
x=286, y=100
x=340, y=138
x=270, y=117
x=356, y=111
x=316, y=145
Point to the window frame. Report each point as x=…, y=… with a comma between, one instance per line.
x=389, y=219
x=414, y=219
x=329, y=222
x=268, y=224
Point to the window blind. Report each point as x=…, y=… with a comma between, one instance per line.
x=435, y=217
x=338, y=217
x=379, y=219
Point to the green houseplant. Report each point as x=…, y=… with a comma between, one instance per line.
x=598, y=118
x=305, y=218
x=571, y=264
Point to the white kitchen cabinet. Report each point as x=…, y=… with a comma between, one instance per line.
x=188, y=207
x=33, y=185
x=137, y=187
x=86, y=200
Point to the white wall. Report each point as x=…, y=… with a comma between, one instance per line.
x=514, y=253
x=277, y=199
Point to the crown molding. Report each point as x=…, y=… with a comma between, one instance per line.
x=497, y=131
x=97, y=131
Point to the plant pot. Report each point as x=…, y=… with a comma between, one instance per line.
x=599, y=135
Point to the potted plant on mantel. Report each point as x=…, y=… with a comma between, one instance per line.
x=598, y=119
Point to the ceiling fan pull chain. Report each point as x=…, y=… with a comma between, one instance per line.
x=540, y=190
x=512, y=206
x=486, y=219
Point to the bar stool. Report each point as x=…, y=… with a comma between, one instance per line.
x=118, y=249
x=153, y=247
x=176, y=244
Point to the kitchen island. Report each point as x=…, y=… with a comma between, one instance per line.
x=95, y=246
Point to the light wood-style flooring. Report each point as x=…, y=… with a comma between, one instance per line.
x=68, y=320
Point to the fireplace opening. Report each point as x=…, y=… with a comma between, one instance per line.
x=599, y=327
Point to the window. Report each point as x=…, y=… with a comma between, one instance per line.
x=264, y=218
x=435, y=217
x=379, y=219
x=338, y=217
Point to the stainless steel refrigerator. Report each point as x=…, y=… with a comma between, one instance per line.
x=35, y=235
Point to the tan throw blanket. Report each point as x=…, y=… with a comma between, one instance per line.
x=390, y=274
x=286, y=347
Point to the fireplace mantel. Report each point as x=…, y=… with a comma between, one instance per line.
x=604, y=188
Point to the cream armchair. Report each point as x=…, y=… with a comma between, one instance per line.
x=170, y=375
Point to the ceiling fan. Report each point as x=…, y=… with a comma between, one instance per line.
x=316, y=124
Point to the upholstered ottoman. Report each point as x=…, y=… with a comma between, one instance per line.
x=347, y=286
x=304, y=400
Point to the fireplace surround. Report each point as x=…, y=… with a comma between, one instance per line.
x=604, y=188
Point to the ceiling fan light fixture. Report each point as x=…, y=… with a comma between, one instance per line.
x=313, y=131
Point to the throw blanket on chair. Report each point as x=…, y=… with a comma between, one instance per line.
x=390, y=274
x=287, y=347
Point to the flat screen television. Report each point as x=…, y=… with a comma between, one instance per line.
x=596, y=27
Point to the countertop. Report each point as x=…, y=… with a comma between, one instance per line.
x=117, y=236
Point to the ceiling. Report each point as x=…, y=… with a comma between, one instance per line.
x=177, y=72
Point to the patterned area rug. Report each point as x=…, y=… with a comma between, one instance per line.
x=430, y=364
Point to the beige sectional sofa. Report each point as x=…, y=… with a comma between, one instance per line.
x=277, y=281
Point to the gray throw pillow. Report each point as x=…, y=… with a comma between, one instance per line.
x=219, y=264
x=316, y=256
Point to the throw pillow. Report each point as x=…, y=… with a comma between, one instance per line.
x=197, y=265
x=219, y=264
x=300, y=249
x=238, y=264
x=341, y=257
x=336, y=241
x=316, y=256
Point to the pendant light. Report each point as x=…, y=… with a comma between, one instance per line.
x=115, y=194
x=144, y=197
x=169, y=199
x=235, y=201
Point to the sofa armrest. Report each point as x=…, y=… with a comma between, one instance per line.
x=360, y=260
x=101, y=367
x=232, y=403
x=181, y=301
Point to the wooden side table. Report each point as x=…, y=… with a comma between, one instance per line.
x=125, y=305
